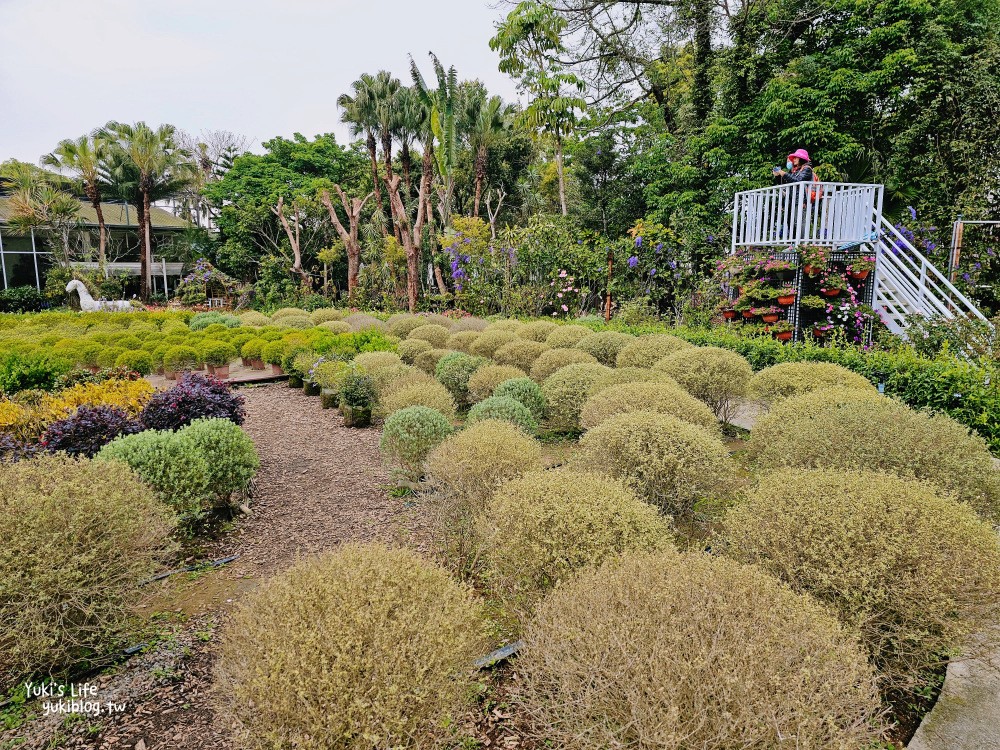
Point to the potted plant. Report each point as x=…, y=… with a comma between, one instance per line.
x=251, y=353
x=860, y=268
x=726, y=308
x=786, y=295
x=813, y=302
x=218, y=355
x=833, y=284
x=744, y=306
x=820, y=330
x=814, y=259
x=768, y=314
x=272, y=353
x=782, y=330
x=779, y=269
x=178, y=360
x=357, y=397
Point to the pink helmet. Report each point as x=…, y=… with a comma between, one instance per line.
x=801, y=153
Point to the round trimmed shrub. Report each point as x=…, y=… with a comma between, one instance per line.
x=489, y=341
x=435, y=334
x=384, y=376
x=470, y=323
x=472, y=463
x=285, y=312
x=623, y=375
x=173, y=467
x=254, y=318
x=852, y=429
x=537, y=330
x=217, y=353
x=646, y=351
x=77, y=540
x=540, y=529
x=486, y=379
x=408, y=349
x=659, y=398
x=87, y=430
x=433, y=395
x=521, y=354
x=335, y=326
x=329, y=374
x=374, y=360
x=673, y=464
x=109, y=355
x=565, y=392
x=273, y=352
x=716, y=376
x=294, y=321
x=567, y=336
x=401, y=324
x=180, y=358
x=135, y=361
x=365, y=322
x=604, y=346
x=792, y=378
x=229, y=452
x=327, y=315
x=505, y=409
x=252, y=349
x=552, y=360
x=677, y=651
x=409, y=434
x=915, y=572
x=510, y=324
x=428, y=360
x=454, y=370
x=461, y=341
x=412, y=376
x=383, y=639
x=525, y=391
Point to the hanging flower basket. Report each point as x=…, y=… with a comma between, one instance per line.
x=783, y=335
x=748, y=314
x=729, y=314
x=770, y=317
x=859, y=275
x=830, y=292
x=812, y=270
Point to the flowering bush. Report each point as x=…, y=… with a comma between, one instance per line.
x=194, y=397
x=563, y=298
x=88, y=430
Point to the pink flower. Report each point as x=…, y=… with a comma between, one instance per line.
x=562, y=274
x=565, y=309
x=559, y=294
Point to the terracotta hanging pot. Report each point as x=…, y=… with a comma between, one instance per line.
x=859, y=275
x=830, y=292
x=747, y=314
x=770, y=318
x=786, y=300
x=783, y=336
x=811, y=270
x=729, y=314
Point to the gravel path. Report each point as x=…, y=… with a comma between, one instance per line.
x=320, y=485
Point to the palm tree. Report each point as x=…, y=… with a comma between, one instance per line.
x=488, y=120
x=411, y=125
x=384, y=91
x=361, y=116
x=442, y=103
x=37, y=202
x=82, y=158
x=156, y=163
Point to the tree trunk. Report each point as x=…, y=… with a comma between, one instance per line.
x=405, y=162
x=293, y=240
x=562, y=175
x=411, y=242
x=102, y=232
x=376, y=182
x=348, y=236
x=480, y=178
x=145, y=269
x=701, y=83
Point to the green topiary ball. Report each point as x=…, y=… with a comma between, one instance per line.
x=605, y=345
x=229, y=452
x=409, y=434
x=504, y=408
x=525, y=391
x=716, y=376
x=566, y=391
x=136, y=361
x=646, y=351
x=435, y=334
x=454, y=370
x=408, y=349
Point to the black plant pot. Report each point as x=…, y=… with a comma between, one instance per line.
x=294, y=381
x=310, y=389
x=355, y=416
x=329, y=399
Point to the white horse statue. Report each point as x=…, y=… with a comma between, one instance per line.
x=89, y=304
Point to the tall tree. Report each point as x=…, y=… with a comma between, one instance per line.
x=348, y=235
x=529, y=42
x=38, y=203
x=158, y=161
x=442, y=101
x=488, y=121
x=82, y=158
x=360, y=113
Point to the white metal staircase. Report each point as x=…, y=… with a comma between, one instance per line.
x=849, y=215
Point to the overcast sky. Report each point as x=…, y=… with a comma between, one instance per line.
x=259, y=68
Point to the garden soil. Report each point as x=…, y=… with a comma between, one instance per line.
x=320, y=485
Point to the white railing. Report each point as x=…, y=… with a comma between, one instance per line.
x=805, y=213
x=906, y=283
